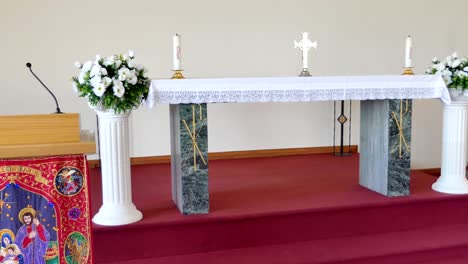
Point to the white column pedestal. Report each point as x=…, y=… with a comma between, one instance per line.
x=453, y=172
x=117, y=208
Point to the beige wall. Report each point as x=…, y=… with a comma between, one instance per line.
x=228, y=39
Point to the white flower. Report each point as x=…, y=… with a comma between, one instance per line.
x=456, y=63
x=96, y=70
x=139, y=67
x=81, y=77
x=462, y=74
x=103, y=71
x=118, y=63
x=131, y=64
x=87, y=66
x=440, y=66
x=123, y=73
x=118, y=88
x=132, y=78
x=449, y=60
x=446, y=73
x=96, y=81
x=451, y=69
x=75, y=87
x=109, y=60
x=106, y=81
x=447, y=79
x=117, y=83
x=99, y=90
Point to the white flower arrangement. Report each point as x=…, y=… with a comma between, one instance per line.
x=454, y=71
x=112, y=83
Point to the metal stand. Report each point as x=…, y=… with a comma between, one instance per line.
x=178, y=74
x=342, y=119
x=305, y=73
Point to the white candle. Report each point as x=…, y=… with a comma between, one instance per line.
x=176, y=52
x=408, y=52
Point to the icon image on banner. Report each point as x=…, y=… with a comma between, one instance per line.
x=69, y=181
x=76, y=248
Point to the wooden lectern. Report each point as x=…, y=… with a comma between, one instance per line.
x=44, y=177
x=42, y=135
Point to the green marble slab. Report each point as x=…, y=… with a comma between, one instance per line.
x=399, y=144
x=385, y=146
x=189, y=157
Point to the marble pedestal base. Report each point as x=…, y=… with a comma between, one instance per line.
x=453, y=171
x=189, y=158
x=384, y=164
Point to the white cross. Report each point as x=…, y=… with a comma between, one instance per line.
x=305, y=44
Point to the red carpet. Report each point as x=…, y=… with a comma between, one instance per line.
x=296, y=209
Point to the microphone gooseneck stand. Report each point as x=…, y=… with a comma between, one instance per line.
x=29, y=65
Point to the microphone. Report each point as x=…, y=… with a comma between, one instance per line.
x=29, y=65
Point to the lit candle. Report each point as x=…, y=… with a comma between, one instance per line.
x=408, y=52
x=176, y=52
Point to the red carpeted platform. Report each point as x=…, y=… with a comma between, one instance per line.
x=295, y=209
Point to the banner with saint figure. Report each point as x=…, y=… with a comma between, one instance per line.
x=45, y=211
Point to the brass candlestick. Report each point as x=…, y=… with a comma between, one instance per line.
x=408, y=71
x=178, y=74
x=305, y=73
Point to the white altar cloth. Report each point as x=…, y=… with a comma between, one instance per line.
x=296, y=89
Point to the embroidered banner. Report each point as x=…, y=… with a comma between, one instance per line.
x=45, y=211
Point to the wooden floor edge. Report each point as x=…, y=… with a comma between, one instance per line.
x=244, y=154
x=431, y=171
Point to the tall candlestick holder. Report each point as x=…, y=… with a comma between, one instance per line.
x=408, y=71
x=178, y=74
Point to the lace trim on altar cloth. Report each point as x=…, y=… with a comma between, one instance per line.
x=296, y=89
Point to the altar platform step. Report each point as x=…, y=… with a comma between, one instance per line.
x=308, y=209
x=428, y=246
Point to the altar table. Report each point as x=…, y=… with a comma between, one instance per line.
x=385, y=139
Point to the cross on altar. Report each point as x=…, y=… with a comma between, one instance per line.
x=305, y=44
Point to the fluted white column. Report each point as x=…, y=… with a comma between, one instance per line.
x=117, y=208
x=453, y=172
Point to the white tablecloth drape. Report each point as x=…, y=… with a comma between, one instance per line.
x=296, y=89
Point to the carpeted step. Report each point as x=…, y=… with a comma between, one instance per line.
x=444, y=244
x=262, y=202
x=208, y=234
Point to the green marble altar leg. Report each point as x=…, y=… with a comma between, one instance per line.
x=189, y=158
x=385, y=157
